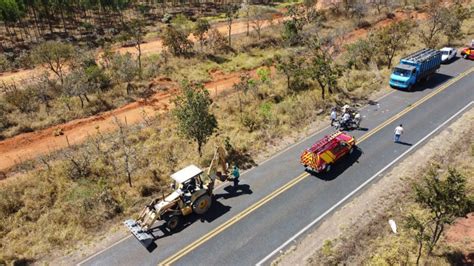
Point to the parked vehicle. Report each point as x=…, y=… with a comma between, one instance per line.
x=468, y=53
x=415, y=68
x=327, y=151
x=193, y=194
x=447, y=54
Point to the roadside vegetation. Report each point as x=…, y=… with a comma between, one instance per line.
x=290, y=75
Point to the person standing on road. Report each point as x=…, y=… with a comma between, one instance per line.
x=236, y=174
x=398, y=133
x=333, y=116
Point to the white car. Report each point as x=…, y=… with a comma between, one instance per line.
x=447, y=54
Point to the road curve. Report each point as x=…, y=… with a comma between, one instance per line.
x=277, y=199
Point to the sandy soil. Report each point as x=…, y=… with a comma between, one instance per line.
x=356, y=214
x=31, y=145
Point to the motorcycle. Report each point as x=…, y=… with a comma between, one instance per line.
x=351, y=124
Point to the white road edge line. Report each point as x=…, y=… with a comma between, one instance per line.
x=243, y=173
x=280, y=248
x=100, y=252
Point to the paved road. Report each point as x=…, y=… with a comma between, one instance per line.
x=277, y=199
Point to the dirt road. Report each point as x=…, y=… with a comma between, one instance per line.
x=154, y=46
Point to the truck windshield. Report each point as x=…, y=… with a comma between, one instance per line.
x=401, y=72
x=445, y=52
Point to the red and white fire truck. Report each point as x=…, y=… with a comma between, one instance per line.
x=327, y=151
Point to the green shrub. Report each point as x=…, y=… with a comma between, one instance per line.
x=5, y=64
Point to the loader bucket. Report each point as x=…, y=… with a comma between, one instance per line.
x=143, y=236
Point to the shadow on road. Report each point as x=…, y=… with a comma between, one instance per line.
x=404, y=143
x=217, y=210
x=436, y=80
x=232, y=192
x=362, y=129
x=339, y=167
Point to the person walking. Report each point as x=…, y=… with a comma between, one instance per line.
x=398, y=133
x=333, y=116
x=236, y=174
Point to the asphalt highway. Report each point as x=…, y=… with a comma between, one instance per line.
x=277, y=199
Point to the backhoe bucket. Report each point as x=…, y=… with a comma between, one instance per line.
x=142, y=235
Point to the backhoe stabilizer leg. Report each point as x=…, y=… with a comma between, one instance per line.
x=143, y=236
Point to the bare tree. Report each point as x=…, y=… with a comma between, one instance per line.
x=230, y=14
x=259, y=16
x=129, y=152
x=55, y=55
x=430, y=35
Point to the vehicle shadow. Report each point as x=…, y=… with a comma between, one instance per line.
x=339, y=167
x=436, y=80
x=161, y=231
x=362, y=129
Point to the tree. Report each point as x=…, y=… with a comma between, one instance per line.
x=124, y=68
x=4, y=121
x=259, y=16
x=430, y=35
x=392, y=39
x=419, y=226
x=24, y=99
x=292, y=27
x=295, y=71
x=230, y=14
x=360, y=53
x=200, y=30
x=176, y=41
x=379, y=5
x=321, y=68
x=217, y=42
x=130, y=157
x=55, y=55
x=182, y=23
x=245, y=84
x=195, y=122
x=10, y=13
x=135, y=32
x=76, y=84
x=452, y=21
x=444, y=200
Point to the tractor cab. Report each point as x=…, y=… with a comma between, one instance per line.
x=188, y=178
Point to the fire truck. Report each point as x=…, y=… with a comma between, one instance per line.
x=327, y=151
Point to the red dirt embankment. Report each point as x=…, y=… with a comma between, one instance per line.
x=31, y=145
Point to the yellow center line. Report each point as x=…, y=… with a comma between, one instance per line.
x=299, y=178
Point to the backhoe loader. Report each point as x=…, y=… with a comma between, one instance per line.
x=193, y=194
